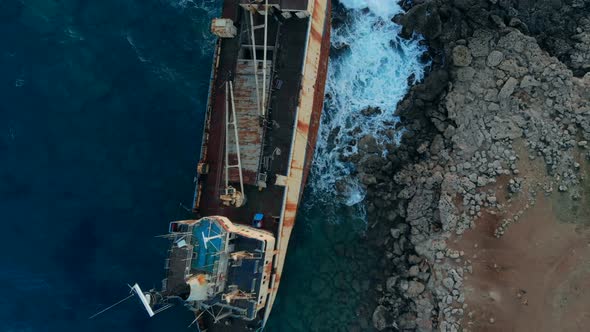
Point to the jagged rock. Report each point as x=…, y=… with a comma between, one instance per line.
x=437, y=145
x=369, y=111
x=414, y=271
x=423, y=19
x=403, y=285
x=498, y=21
x=520, y=25
x=448, y=283
x=463, y=121
x=447, y=212
x=529, y=81
x=395, y=233
x=413, y=259
x=420, y=205
x=505, y=128
x=507, y=89
x=368, y=179
x=382, y=319
x=390, y=283
x=482, y=181
x=368, y=144
x=479, y=43
x=433, y=85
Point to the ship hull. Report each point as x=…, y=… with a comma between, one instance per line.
x=295, y=109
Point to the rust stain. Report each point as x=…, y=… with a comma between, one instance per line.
x=302, y=127
x=288, y=222
x=250, y=132
x=224, y=226
x=296, y=165
x=201, y=279
x=316, y=13
x=291, y=206
x=318, y=100
x=316, y=35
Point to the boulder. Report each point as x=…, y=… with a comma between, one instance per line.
x=433, y=85
x=423, y=19
x=528, y=81
x=368, y=144
x=395, y=233
x=508, y=89
x=415, y=288
x=390, y=283
x=448, y=283
x=494, y=58
x=461, y=56
x=382, y=319
x=505, y=128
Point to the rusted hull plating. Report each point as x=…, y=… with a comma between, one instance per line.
x=309, y=110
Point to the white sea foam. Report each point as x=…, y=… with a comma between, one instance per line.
x=386, y=9
x=370, y=68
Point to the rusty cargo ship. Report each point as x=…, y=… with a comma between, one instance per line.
x=265, y=100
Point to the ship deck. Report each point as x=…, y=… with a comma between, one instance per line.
x=288, y=39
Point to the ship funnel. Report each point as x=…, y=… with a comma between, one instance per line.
x=144, y=298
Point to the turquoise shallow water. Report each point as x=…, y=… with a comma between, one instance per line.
x=328, y=273
x=101, y=107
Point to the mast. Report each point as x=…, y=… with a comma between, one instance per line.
x=255, y=64
x=264, y=57
x=231, y=196
x=235, y=123
x=226, y=136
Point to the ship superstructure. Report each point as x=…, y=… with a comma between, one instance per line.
x=215, y=267
x=265, y=101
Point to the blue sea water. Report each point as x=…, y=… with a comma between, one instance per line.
x=101, y=107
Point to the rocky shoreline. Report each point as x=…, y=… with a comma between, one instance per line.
x=509, y=85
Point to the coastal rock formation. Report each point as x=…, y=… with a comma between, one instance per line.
x=501, y=94
x=560, y=27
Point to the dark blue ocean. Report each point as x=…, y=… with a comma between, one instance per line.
x=101, y=106
x=101, y=109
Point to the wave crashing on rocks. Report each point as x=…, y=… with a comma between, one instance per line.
x=368, y=75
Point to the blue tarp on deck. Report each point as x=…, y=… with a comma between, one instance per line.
x=207, y=253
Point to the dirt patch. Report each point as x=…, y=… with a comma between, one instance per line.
x=534, y=278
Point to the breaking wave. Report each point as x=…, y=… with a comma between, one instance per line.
x=369, y=67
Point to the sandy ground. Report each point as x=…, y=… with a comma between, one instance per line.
x=537, y=276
